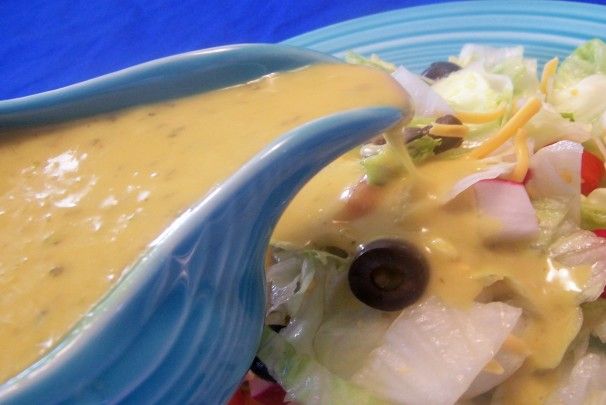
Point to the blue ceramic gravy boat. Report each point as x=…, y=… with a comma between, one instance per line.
x=183, y=325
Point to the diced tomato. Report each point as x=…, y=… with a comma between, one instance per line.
x=592, y=172
x=267, y=393
x=239, y=398
x=256, y=391
x=602, y=234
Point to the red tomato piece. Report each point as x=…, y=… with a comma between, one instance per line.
x=592, y=172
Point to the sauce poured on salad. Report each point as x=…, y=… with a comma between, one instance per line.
x=486, y=184
x=80, y=201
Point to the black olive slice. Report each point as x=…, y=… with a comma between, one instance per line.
x=448, y=119
x=412, y=133
x=260, y=370
x=258, y=367
x=439, y=70
x=389, y=274
x=447, y=142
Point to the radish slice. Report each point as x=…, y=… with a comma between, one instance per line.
x=491, y=173
x=427, y=102
x=265, y=392
x=506, y=202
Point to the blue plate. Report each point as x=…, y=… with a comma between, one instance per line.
x=417, y=36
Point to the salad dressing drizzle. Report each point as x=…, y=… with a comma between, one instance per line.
x=463, y=266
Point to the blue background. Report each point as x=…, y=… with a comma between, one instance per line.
x=46, y=44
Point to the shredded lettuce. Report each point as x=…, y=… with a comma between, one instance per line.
x=588, y=59
x=586, y=383
x=508, y=62
x=422, y=148
x=594, y=313
x=593, y=210
x=372, y=61
x=304, y=379
x=432, y=353
x=554, y=220
x=473, y=89
x=585, y=99
x=578, y=250
x=386, y=164
x=549, y=126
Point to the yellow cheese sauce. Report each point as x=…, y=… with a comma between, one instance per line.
x=463, y=266
x=80, y=201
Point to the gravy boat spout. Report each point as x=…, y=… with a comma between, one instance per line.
x=183, y=324
x=219, y=294
x=238, y=218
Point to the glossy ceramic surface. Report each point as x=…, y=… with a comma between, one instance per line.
x=184, y=324
x=417, y=36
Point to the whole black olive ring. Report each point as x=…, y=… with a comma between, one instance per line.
x=389, y=274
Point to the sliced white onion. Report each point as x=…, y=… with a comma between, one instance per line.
x=427, y=102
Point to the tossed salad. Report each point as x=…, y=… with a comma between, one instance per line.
x=460, y=258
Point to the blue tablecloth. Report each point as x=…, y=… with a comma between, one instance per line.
x=46, y=44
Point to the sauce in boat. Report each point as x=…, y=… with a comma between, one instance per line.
x=80, y=201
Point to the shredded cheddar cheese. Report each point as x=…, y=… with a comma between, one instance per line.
x=494, y=367
x=522, y=156
x=516, y=345
x=507, y=131
x=549, y=71
x=455, y=131
x=484, y=117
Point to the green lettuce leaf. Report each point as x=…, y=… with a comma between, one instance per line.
x=372, y=61
x=593, y=210
x=588, y=59
x=472, y=89
x=386, y=164
x=584, y=99
x=304, y=379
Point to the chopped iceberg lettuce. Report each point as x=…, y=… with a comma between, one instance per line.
x=554, y=220
x=432, y=353
x=549, y=126
x=593, y=210
x=556, y=173
x=372, y=61
x=585, y=99
x=583, y=249
x=304, y=379
x=385, y=164
x=473, y=89
x=586, y=383
x=588, y=59
x=509, y=62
